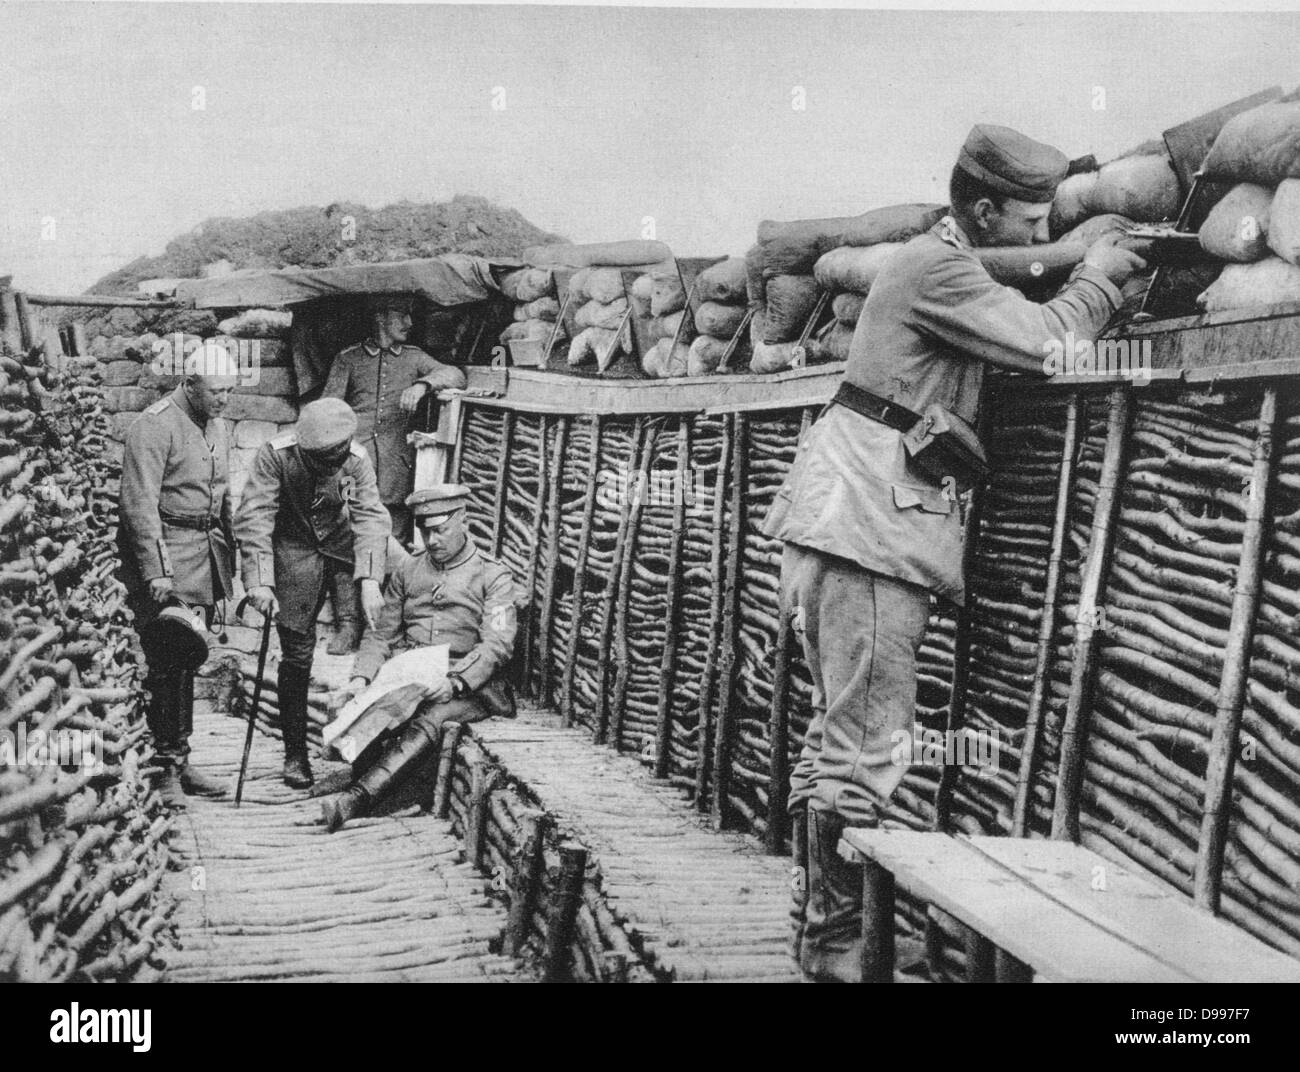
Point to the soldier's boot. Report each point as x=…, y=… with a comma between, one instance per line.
x=347, y=615
x=411, y=747
x=798, y=878
x=193, y=783
x=291, y=684
x=832, y=937
x=163, y=717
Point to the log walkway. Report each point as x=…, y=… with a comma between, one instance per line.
x=385, y=899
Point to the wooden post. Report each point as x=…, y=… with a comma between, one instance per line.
x=26, y=325
x=564, y=912
x=481, y=781
x=703, y=751
x=534, y=548
x=1047, y=625
x=80, y=344
x=503, y=471
x=546, y=624
x=877, y=923
x=627, y=549
x=10, y=333
x=451, y=732
x=607, y=610
x=580, y=574
x=672, y=599
x=527, y=879
x=1208, y=878
x=728, y=662
x=1065, y=813
x=458, y=444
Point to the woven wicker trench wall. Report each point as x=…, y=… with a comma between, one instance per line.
x=680, y=653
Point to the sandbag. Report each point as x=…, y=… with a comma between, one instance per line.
x=1143, y=188
x=595, y=314
x=1070, y=206
x=1271, y=281
x=597, y=284
x=541, y=309
x=722, y=282
x=667, y=295
x=1237, y=227
x=705, y=355
x=628, y=254
x=1261, y=146
x=832, y=343
x=640, y=294
x=771, y=357
x=790, y=301
x=755, y=284
x=792, y=248
x=257, y=324
x=662, y=327
x=714, y=318
x=1284, y=222
x=536, y=330
x=664, y=359
x=599, y=345
x=528, y=284
x=853, y=268
x=848, y=307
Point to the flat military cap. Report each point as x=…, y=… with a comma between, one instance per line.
x=1011, y=163
x=325, y=423
x=434, y=506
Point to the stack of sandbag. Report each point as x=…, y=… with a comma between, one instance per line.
x=536, y=308
x=723, y=303
x=1256, y=225
x=600, y=302
x=1141, y=186
x=780, y=270
x=660, y=300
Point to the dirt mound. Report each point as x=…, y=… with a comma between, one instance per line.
x=313, y=237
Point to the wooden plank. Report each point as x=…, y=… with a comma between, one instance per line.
x=672, y=600
x=728, y=657
x=580, y=574
x=1060, y=944
x=1150, y=916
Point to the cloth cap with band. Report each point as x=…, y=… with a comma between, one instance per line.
x=1012, y=164
x=325, y=423
x=434, y=507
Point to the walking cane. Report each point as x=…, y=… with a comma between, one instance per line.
x=257, y=696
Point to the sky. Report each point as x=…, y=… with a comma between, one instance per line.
x=596, y=123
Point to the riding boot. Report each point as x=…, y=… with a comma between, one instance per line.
x=291, y=684
x=410, y=747
x=798, y=878
x=832, y=937
x=162, y=715
x=347, y=616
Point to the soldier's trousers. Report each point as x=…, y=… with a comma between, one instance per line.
x=297, y=646
x=860, y=633
x=170, y=712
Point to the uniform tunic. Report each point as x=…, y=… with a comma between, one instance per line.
x=467, y=603
x=867, y=534
x=292, y=521
x=175, y=469
x=371, y=379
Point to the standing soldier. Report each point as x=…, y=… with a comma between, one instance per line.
x=310, y=515
x=176, y=545
x=383, y=380
x=868, y=515
x=450, y=593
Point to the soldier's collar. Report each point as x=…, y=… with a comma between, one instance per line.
x=949, y=230
x=460, y=558
x=182, y=401
x=373, y=348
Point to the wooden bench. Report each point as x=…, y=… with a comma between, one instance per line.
x=1054, y=908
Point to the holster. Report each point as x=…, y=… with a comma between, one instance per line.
x=945, y=447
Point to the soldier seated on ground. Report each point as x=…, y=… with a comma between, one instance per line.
x=449, y=593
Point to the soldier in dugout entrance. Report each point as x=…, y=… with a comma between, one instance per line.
x=448, y=593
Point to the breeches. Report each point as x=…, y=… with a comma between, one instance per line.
x=860, y=633
x=297, y=645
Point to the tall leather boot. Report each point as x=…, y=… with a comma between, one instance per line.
x=411, y=747
x=162, y=716
x=291, y=683
x=798, y=878
x=347, y=614
x=832, y=936
x=193, y=783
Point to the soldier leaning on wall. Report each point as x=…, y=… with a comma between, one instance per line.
x=177, y=548
x=869, y=522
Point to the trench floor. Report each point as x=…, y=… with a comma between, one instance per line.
x=265, y=894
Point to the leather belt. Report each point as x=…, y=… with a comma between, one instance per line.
x=183, y=521
x=874, y=407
